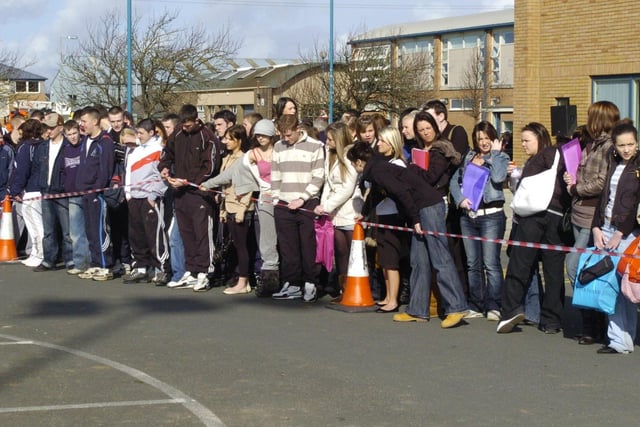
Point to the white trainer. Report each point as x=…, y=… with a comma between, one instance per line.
x=202, y=283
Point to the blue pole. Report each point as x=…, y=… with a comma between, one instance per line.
x=330, y=61
x=129, y=57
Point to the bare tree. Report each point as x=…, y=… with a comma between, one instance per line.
x=10, y=63
x=164, y=58
x=474, y=84
x=369, y=76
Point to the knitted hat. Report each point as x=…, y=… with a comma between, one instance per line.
x=264, y=127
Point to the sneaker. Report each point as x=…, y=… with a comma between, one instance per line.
x=103, y=274
x=74, y=271
x=126, y=268
x=453, y=319
x=506, y=326
x=42, y=268
x=288, y=291
x=494, y=315
x=406, y=317
x=160, y=278
x=32, y=261
x=472, y=314
x=310, y=292
x=202, y=283
x=88, y=273
x=186, y=281
x=136, y=276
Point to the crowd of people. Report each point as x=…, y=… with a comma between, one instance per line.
x=194, y=205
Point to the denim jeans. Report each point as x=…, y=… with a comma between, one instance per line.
x=78, y=235
x=623, y=322
x=533, y=297
x=483, y=260
x=177, y=251
x=583, y=240
x=428, y=252
x=55, y=215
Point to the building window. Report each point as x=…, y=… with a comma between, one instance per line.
x=461, y=104
x=624, y=91
x=458, y=50
x=418, y=53
x=25, y=86
x=502, y=57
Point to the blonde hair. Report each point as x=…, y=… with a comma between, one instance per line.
x=393, y=137
x=125, y=132
x=341, y=135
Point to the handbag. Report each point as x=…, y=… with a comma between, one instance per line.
x=600, y=292
x=324, y=241
x=630, y=265
x=534, y=193
x=631, y=290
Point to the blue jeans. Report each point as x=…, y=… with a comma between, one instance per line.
x=532, y=297
x=483, y=260
x=583, y=240
x=55, y=213
x=77, y=234
x=428, y=252
x=177, y=251
x=623, y=322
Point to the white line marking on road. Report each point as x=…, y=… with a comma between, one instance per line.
x=16, y=342
x=203, y=413
x=90, y=405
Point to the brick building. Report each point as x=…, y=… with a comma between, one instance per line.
x=580, y=51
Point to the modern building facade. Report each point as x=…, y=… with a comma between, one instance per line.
x=469, y=62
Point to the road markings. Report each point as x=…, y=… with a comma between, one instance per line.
x=201, y=412
x=91, y=405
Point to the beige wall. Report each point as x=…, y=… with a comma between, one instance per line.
x=561, y=44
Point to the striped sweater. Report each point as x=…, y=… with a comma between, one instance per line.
x=297, y=170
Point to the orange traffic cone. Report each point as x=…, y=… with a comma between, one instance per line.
x=8, y=250
x=356, y=296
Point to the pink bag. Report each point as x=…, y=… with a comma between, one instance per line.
x=630, y=289
x=324, y=241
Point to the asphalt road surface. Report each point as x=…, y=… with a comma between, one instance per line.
x=77, y=352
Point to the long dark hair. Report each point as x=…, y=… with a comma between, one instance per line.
x=423, y=116
x=541, y=133
x=485, y=127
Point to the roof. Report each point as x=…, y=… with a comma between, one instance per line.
x=452, y=24
x=273, y=76
x=12, y=73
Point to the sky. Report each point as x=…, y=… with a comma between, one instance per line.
x=42, y=30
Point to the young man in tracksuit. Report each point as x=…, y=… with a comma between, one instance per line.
x=49, y=159
x=196, y=155
x=95, y=172
x=144, y=189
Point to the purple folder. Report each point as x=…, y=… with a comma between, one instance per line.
x=474, y=180
x=572, y=153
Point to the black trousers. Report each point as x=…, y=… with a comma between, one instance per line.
x=195, y=222
x=539, y=228
x=297, y=243
x=147, y=236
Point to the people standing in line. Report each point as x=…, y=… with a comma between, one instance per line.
x=484, y=267
x=144, y=190
x=116, y=204
x=615, y=227
x=297, y=176
x=25, y=188
x=171, y=122
x=585, y=188
x=341, y=198
x=94, y=173
x=424, y=207
x=237, y=207
x=49, y=157
x=77, y=232
x=285, y=105
x=193, y=154
x=259, y=160
x=541, y=227
x=223, y=120
x=390, y=244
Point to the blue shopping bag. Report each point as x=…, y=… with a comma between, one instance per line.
x=600, y=293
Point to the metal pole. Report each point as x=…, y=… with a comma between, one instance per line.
x=129, y=57
x=330, y=61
